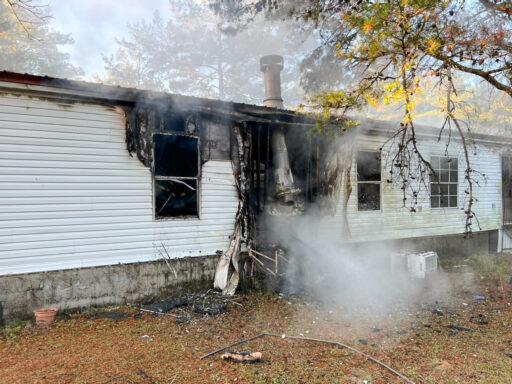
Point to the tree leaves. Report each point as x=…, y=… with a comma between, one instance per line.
x=33, y=47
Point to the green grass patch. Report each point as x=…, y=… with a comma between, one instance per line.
x=451, y=263
x=12, y=330
x=493, y=267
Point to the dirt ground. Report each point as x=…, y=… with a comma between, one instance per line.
x=463, y=340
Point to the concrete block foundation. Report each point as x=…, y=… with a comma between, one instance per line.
x=478, y=243
x=82, y=288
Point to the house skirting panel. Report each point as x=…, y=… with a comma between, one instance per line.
x=82, y=288
x=455, y=245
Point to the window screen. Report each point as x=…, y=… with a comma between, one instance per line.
x=176, y=175
x=368, y=181
x=444, y=182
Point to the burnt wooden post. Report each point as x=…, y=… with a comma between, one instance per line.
x=258, y=165
x=267, y=164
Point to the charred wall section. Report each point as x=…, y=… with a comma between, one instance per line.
x=143, y=121
x=216, y=132
x=174, y=143
x=305, y=154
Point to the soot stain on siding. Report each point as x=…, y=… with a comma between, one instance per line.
x=141, y=122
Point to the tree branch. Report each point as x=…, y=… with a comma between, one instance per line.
x=475, y=71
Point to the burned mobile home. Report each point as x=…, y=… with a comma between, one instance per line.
x=111, y=195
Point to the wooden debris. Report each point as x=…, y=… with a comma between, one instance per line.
x=314, y=340
x=242, y=357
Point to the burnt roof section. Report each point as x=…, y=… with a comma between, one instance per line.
x=239, y=112
x=87, y=91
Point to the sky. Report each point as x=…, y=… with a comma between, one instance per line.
x=96, y=24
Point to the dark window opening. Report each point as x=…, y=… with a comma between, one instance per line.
x=175, y=156
x=174, y=122
x=444, y=182
x=175, y=198
x=368, y=181
x=176, y=175
x=368, y=197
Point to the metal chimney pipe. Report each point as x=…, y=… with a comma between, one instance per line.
x=271, y=67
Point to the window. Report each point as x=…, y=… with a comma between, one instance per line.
x=368, y=181
x=443, y=184
x=176, y=173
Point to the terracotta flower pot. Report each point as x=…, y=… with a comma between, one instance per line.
x=45, y=315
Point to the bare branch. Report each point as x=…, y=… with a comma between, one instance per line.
x=450, y=107
x=486, y=75
x=29, y=8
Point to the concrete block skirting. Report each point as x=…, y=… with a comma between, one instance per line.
x=80, y=288
x=477, y=243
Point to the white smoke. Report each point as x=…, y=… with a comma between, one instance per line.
x=348, y=275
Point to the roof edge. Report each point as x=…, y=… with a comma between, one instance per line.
x=98, y=91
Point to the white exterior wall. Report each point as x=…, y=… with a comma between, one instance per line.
x=71, y=196
x=395, y=222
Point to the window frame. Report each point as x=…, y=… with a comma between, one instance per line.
x=447, y=183
x=379, y=153
x=155, y=177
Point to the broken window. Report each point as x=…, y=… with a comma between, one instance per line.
x=176, y=175
x=368, y=181
x=444, y=182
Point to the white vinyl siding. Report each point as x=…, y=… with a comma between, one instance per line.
x=71, y=195
x=395, y=222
